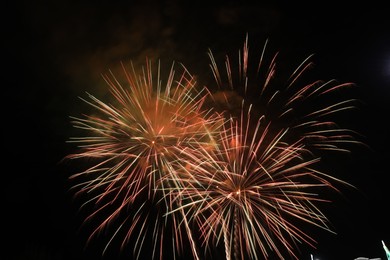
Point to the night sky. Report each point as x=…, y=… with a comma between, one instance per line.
x=55, y=51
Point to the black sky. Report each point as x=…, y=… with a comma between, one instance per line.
x=55, y=51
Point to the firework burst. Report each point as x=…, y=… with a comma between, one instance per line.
x=131, y=143
x=253, y=192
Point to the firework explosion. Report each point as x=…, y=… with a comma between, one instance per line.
x=245, y=181
x=252, y=191
x=131, y=145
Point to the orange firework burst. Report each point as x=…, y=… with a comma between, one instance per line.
x=252, y=191
x=256, y=188
x=131, y=145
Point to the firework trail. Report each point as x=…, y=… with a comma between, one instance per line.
x=387, y=251
x=130, y=145
x=255, y=190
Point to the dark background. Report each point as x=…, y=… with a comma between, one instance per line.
x=56, y=50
